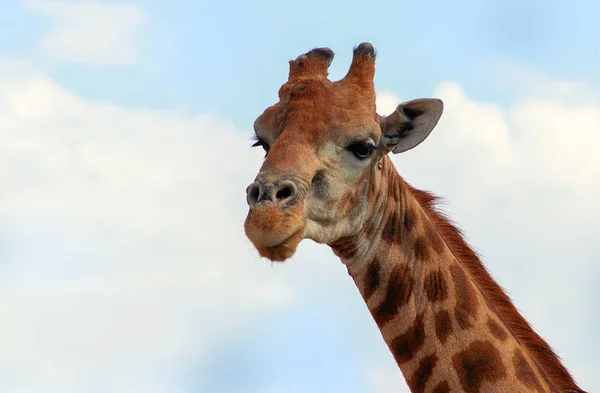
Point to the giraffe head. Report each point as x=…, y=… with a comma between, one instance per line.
x=324, y=145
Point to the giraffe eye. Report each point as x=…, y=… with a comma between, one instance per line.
x=361, y=150
x=265, y=145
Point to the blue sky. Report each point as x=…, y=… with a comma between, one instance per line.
x=124, y=133
x=199, y=55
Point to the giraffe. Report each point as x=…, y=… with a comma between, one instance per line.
x=327, y=177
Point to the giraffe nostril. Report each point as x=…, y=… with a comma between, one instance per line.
x=253, y=194
x=284, y=193
x=260, y=192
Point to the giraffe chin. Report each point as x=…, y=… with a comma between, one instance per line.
x=275, y=233
x=283, y=250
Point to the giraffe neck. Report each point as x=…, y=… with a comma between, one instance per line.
x=444, y=330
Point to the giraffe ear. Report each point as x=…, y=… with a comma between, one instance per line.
x=410, y=124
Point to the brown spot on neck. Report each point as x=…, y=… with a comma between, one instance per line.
x=524, y=372
x=443, y=325
x=409, y=220
x=420, y=378
x=477, y=363
x=496, y=329
x=435, y=286
x=441, y=387
x=400, y=218
x=421, y=249
x=407, y=345
x=345, y=247
x=398, y=293
x=391, y=230
x=372, y=278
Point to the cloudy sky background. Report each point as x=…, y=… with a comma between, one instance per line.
x=124, y=155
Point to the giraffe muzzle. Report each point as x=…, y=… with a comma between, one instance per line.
x=275, y=222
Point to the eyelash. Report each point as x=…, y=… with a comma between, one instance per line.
x=361, y=150
x=262, y=143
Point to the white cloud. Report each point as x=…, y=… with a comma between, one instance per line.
x=529, y=82
x=387, y=103
x=91, y=32
x=10, y=67
x=124, y=241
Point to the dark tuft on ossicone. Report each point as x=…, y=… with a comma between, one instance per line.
x=323, y=53
x=365, y=49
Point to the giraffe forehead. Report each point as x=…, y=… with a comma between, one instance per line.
x=321, y=109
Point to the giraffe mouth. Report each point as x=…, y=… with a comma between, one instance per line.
x=284, y=250
x=274, y=232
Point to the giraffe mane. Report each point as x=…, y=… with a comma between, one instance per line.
x=546, y=359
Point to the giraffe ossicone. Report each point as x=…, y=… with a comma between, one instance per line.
x=327, y=177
